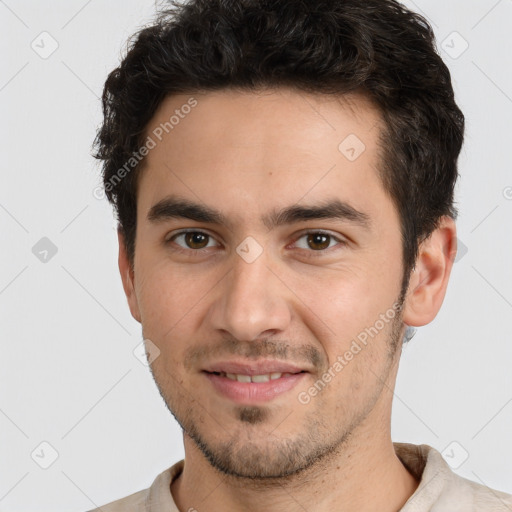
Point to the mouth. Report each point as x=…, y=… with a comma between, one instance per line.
x=264, y=377
x=253, y=383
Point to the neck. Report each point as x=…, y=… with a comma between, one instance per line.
x=364, y=475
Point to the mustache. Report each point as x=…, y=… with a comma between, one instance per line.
x=263, y=349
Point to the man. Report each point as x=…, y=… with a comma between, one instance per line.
x=283, y=175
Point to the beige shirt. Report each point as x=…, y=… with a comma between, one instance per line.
x=440, y=489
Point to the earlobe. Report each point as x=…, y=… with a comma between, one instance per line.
x=429, y=279
x=127, y=277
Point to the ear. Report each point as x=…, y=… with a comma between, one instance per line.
x=429, y=279
x=128, y=277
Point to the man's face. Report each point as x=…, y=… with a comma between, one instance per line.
x=282, y=297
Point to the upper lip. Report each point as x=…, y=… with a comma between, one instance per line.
x=253, y=367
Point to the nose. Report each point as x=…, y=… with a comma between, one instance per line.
x=251, y=301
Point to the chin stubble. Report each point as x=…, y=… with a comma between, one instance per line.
x=261, y=455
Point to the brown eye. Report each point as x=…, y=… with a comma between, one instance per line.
x=192, y=240
x=196, y=240
x=318, y=241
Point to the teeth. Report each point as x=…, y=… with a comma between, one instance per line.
x=260, y=378
x=254, y=378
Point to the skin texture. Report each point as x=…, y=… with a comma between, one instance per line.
x=247, y=154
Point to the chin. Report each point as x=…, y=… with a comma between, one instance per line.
x=260, y=454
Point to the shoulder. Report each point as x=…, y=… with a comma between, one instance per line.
x=156, y=498
x=134, y=503
x=478, y=496
x=442, y=490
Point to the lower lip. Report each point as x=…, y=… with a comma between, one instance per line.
x=250, y=392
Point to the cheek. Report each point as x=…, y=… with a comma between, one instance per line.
x=166, y=292
x=164, y=301
x=353, y=309
x=346, y=301
x=172, y=302
x=360, y=364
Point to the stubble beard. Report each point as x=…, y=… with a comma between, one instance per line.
x=263, y=455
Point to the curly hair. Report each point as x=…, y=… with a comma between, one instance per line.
x=376, y=47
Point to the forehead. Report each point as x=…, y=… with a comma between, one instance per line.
x=258, y=150
x=278, y=116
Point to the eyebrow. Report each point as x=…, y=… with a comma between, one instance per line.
x=173, y=207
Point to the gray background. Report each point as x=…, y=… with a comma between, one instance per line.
x=69, y=376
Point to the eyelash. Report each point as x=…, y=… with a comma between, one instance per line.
x=199, y=252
